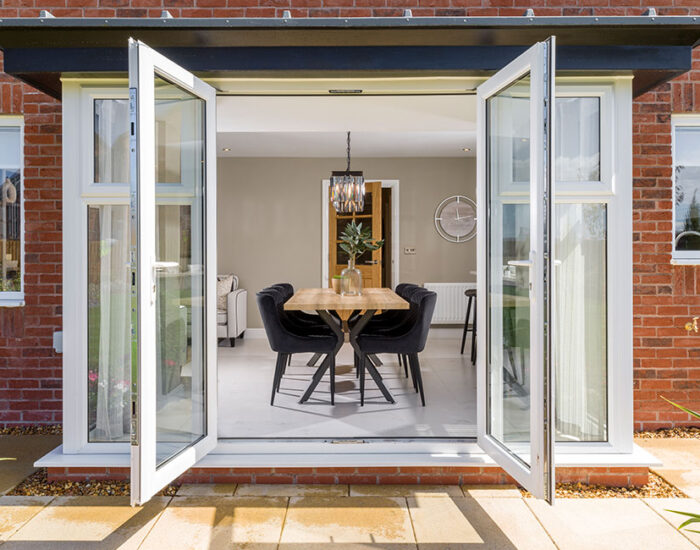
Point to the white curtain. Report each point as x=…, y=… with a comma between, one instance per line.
x=112, y=141
x=580, y=344
x=577, y=139
x=114, y=369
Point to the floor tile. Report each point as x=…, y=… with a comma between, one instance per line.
x=662, y=506
x=18, y=454
x=88, y=522
x=491, y=491
x=232, y=523
x=351, y=522
x=206, y=490
x=612, y=523
x=487, y=524
x=404, y=490
x=675, y=453
x=16, y=511
x=284, y=490
x=687, y=479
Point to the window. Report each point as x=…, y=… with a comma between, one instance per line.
x=577, y=139
x=11, y=215
x=686, y=188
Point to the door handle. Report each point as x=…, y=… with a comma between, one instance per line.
x=371, y=262
x=520, y=263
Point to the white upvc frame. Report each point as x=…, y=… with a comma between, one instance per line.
x=692, y=120
x=395, y=224
x=147, y=476
x=15, y=298
x=537, y=474
x=78, y=94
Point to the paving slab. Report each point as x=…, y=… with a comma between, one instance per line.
x=253, y=523
x=284, y=490
x=16, y=511
x=662, y=506
x=18, y=454
x=347, y=523
x=405, y=490
x=88, y=522
x=206, y=490
x=681, y=461
x=611, y=523
x=491, y=491
x=486, y=523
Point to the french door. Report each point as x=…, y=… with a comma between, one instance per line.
x=173, y=270
x=514, y=180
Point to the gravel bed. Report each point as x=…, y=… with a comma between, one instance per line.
x=37, y=484
x=657, y=487
x=54, y=429
x=683, y=432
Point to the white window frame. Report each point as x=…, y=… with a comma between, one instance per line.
x=15, y=298
x=79, y=191
x=683, y=120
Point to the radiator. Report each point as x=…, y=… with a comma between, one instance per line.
x=451, y=306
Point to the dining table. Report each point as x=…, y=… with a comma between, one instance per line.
x=324, y=301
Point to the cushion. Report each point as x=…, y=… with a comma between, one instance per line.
x=224, y=285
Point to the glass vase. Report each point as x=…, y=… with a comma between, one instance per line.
x=351, y=278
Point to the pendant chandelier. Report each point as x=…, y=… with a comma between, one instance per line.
x=348, y=189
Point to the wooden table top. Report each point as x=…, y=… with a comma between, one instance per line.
x=327, y=299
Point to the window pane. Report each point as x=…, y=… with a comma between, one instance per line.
x=109, y=323
x=111, y=134
x=577, y=139
x=580, y=349
x=10, y=210
x=687, y=175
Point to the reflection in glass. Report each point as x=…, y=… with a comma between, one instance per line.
x=577, y=139
x=10, y=209
x=508, y=239
x=687, y=191
x=111, y=140
x=580, y=347
x=108, y=323
x=180, y=274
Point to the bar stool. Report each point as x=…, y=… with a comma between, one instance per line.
x=470, y=293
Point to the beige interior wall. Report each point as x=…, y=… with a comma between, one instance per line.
x=269, y=219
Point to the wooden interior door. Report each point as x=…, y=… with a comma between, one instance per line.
x=370, y=263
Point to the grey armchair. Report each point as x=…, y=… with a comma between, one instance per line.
x=231, y=319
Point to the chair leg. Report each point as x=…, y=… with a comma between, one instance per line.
x=289, y=360
x=332, y=357
x=466, y=324
x=363, y=358
x=399, y=355
x=283, y=370
x=407, y=361
x=473, y=356
x=416, y=370
x=277, y=377
x=233, y=342
x=405, y=365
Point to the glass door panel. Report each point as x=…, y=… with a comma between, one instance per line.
x=514, y=272
x=173, y=264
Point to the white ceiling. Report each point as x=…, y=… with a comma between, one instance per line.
x=313, y=126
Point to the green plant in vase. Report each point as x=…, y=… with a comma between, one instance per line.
x=355, y=241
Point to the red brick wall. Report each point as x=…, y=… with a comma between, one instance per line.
x=666, y=357
x=667, y=361
x=30, y=371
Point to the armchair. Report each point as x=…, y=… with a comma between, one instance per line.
x=232, y=309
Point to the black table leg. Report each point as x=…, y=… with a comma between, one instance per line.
x=371, y=369
x=321, y=370
x=314, y=359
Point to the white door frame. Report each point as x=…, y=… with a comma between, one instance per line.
x=395, y=245
x=147, y=476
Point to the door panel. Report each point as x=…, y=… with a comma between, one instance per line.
x=370, y=263
x=173, y=266
x=514, y=274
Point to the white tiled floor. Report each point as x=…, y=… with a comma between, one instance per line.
x=245, y=381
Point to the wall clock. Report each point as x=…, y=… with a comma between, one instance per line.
x=455, y=219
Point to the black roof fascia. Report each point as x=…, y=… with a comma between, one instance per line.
x=654, y=48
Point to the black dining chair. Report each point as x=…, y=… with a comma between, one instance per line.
x=408, y=340
x=285, y=340
x=470, y=293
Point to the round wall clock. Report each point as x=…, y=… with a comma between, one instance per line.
x=455, y=219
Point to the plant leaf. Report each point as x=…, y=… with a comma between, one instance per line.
x=681, y=407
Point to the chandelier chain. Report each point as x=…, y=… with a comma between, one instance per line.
x=348, y=152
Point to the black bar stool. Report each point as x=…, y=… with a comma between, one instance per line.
x=470, y=293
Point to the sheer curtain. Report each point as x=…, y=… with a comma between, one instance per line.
x=113, y=358
x=111, y=141
x=580, y=346
x=577, y=139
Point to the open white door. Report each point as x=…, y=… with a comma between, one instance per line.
x=173, y=262
x=514, y=181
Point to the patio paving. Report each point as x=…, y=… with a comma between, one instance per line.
x=17, y=456
x=681, y=462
